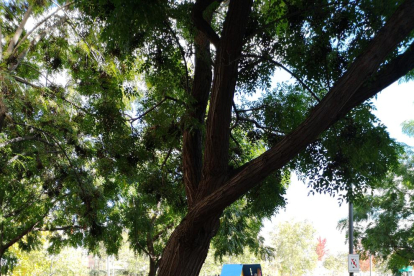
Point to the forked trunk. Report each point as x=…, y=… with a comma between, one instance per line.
x=187, y=247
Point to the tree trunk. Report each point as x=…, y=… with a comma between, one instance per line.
x=153, y=267
x=188, y=246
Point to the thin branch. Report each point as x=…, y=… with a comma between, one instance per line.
x=47, y=134
x=22, y=139
x=287, y=70
x=177, y=41
x=148, y=111
x=62, y=228
x=39, y=24
x=19, y=31
x=156, y=236
x=252, y=109
x=50, y=92
x=22, y=234
x=257, y=124
x=34, y=42
x=143, y=249
x=237, y=117
x=166, y=158
x=154, y=107
x=22, y=80
x=97, y=56
x=235, y=141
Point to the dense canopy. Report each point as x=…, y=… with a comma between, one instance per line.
x=170, y=121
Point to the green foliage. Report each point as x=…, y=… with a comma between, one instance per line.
x=104, y=150
x=408, y=128
x=52, y=152
x=336, y=263
x=385, y=217
x=294, y=244
x=342, y=161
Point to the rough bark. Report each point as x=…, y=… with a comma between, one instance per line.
x=216, y=153
x=188, y=246
x=192, y=136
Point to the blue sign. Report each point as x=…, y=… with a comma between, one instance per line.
x=241, y=270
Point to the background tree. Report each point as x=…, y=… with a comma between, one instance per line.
x=294, y=245
x=336, y=263
x=385, y=218
x=321, y=248
x=346, y=53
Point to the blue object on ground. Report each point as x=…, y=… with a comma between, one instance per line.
x=237, y=269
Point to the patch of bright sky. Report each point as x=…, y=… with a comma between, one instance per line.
x=395, y=105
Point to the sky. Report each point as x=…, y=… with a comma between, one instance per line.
x=395, y=105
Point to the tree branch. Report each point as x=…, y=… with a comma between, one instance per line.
x=345, y=95
x=19, y=31
x=201, y=24
x=161, y=232
x=22, y=139
x=62, y=228
x=39, y=24
x=287, y=70
x=22, y=234
x=50, y=92
x=216, y=153
x=192, y=149
x=148, y=111
x=295, y=13
x=13, y=66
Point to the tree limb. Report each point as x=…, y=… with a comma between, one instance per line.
x=39, y=24
x=36, y=40
x=48, y=91
x=19, y=31
x=22, y=234
x=216, y=153
x=62, y=228
x=201, y=24
x=19, y=139
x=346, y=94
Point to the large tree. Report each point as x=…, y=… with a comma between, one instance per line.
x=341, y=54
x=49, y=154
x=294, y=244
x=385, y=218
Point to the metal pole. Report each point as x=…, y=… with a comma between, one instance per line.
x=370, y=264
x=351, y=232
